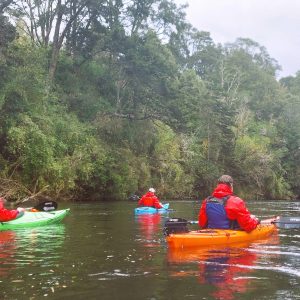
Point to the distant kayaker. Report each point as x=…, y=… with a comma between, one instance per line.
x=150, y=200
x=9, y=214
x=225, y=210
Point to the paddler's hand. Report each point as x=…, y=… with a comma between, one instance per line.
x=20, y=209
x=255, y=218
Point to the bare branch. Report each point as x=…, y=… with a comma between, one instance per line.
x=5, y=4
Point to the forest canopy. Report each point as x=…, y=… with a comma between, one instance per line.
x=101, y=99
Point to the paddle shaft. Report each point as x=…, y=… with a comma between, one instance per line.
x=288, y=222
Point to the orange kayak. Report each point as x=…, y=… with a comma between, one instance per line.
x=178, y=255
x=212, y=237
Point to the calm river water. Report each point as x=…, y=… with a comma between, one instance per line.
x=102, y=251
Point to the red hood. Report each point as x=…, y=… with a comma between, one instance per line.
x=222, y=190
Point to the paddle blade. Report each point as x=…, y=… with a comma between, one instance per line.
x=288, y=222
x=46, y=206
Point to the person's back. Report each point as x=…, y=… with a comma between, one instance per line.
x=150, y=200
x=225, y=210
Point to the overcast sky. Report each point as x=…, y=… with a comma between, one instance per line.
x=274, y=24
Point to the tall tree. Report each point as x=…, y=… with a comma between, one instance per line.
x=47, y=23
x=4, y=4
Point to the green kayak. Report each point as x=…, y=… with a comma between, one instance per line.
x=33, y=219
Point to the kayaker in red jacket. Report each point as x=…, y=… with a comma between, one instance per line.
x=149, y=199
x=7, y=215
x=225, y=210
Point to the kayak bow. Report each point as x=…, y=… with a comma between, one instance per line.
x=33, y=219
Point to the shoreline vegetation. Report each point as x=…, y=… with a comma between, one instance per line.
x=102, y=99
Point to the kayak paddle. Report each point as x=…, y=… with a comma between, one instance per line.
x=287, y=222
x=179, y=225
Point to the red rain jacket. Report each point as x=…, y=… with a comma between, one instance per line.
x=149, y=199
x=6, y=214
x=235, y=209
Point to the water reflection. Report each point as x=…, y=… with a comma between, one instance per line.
x=149, y=228
x=7, y=250
x=32, y=246
x=228, y=270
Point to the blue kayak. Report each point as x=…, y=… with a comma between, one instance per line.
x=151, y=210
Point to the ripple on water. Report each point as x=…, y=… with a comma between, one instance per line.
x=277, y=269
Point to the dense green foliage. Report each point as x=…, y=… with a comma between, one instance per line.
x=102, y=99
